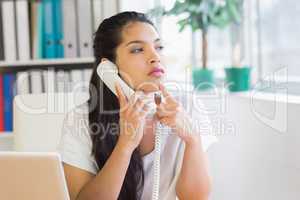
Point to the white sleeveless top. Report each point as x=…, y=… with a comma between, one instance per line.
x=75, y=149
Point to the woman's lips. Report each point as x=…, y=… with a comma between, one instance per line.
x=157, y=72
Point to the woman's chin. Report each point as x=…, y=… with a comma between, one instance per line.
x=154, y=87
x=149, y=90
x=150, y=86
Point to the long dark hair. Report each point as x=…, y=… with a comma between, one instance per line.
x=106, y=40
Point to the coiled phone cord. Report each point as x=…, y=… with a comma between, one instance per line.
x=156, y=175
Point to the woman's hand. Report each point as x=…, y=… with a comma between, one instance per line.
x=172, y=114
x=132, y=119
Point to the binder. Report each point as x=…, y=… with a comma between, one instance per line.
x=84, y=27
x=37, y=25
x=36, y=81
x=33, y=29
x=87, y=74
x=49, y=80
x=1, y=36
x=77, y=80
x=45, y=80
x=58, y=28
x=9, y=93
x=97, y=14
x=22, y=21
x=22, y=82
x=70, y=29
x=23, y=38
x=1, y=105
x=40, y=29
x=49, y=37
x=110, y=8
x=61, y=81
x=68, y=81
x=1, y=76
x=9, y=30
x=52, y=30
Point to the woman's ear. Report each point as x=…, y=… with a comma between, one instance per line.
x=103, y=59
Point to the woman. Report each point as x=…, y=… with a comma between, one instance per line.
x=107, y=160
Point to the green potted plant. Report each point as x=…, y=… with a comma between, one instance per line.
x=200, y=15
x=237, y=75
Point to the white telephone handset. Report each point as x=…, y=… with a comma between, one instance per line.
x=108, y=73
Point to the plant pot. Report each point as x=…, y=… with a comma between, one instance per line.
x=203, y=79
x=238, y=79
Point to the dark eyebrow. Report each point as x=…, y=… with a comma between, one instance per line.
x=140, y=41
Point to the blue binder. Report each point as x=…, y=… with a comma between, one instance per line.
x=8, y=95
x=48, y=29
x=58, y=28
x=52, y=29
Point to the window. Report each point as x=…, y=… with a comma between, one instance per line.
x=278, y=30
x=183, y=49
x=270, y=32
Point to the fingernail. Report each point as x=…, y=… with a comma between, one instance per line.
x=160, y=86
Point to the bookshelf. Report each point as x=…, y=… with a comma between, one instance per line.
x=7, y=138
x=58, y=63
x=6, y=141
x=6, y=135
x=29, y=31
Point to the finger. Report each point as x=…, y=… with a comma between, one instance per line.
x=134, y=97
x=164, y=111
x=122, y=98
x=166, y=94
x=163, y=114
x=132, y=101
x=163, y=90
x=145, y=110
x=168, y=106
x=137, y=107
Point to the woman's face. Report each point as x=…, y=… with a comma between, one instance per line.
x=139, y=54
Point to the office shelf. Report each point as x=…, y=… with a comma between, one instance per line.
x=4, y=135
x=59, y=63
x=6, y=141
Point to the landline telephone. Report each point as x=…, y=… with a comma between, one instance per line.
x=108, y=73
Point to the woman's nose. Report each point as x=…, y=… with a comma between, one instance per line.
x=154, y=56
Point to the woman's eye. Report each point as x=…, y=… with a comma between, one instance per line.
x=160, y=48
x=137, y=50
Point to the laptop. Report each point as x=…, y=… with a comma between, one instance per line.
x=32, y=176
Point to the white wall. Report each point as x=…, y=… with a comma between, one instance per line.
x=257, y=154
